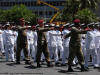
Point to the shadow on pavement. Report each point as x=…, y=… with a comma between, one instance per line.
x=30, y=67
x=66, y=72
x=98, y=69
x=11, y=64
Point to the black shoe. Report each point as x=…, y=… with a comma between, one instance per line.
x=63, y=64
x=87, y=68
x=49, y=64
x=28, y=62
x=32, y=66
x=17, y=62
x=3, y=54
x=60, y=59
x=57, y=64
x=39, y=65
x=96, y=67
x=70, y=70
x=83, y=68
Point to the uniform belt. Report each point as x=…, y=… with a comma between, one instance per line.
x=42, y=40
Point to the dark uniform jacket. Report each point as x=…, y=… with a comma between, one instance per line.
x=22, y=36
x=75, y=36
x=41, y=33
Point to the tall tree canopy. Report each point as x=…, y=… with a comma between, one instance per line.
x=17, y=12
x=73, y=6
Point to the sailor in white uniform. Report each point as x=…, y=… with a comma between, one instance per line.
x=90, y=47
x=65, y=45
x=1, y=40
x=9, y=43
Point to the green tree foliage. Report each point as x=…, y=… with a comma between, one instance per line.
x=88, y=3
x=17, y=12
x=2, y=15
x=73, y=6
x=86, y=16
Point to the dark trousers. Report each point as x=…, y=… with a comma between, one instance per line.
x=18, y=52
x=42, y=48
x=75, y=51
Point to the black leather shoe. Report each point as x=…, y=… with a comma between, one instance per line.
x=39, y=65
x=17, y=62
x=70, y=70
x=49, y=64
x=87, y=68
x=83, y=68
x=63, y=64
x=57, y=64
x=96, y=67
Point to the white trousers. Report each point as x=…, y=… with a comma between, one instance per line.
x=9, y=50
x=60, y=48
x=2, y=46
x=31, y=50
x=98, y=56
x=93, y=53
x=65, y=54
x=55, y=51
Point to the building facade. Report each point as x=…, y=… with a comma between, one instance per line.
x=41, y=10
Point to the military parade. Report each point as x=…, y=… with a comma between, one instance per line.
x=46, y=42
x=64, y=34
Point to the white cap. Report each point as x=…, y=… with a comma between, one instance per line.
x=7, y=24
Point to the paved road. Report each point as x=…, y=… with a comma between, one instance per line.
x=10, y=68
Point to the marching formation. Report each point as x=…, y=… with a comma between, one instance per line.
x=68, y=43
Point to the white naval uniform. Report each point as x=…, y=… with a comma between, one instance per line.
x=35, y=45
x=59, y=43
x=53, y=44
x=15, y=39
x=97, y=46
x=1, y=41
x=65, y=46
x=49, y=46
x=83, y=44
x=9, y=44
x=90, y=48
x=30, y=39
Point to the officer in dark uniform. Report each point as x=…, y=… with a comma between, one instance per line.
x=42, y=44
x=22, y=43
x=75, y=46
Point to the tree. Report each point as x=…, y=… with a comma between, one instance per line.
x=88, y=4
x=73, y=6
x=76, y=5
x=86, y=16
x=17, y=12
x=2, y=15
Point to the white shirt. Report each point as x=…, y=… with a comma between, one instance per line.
x=90, y=40
x=9, y=37
x=59, y=38
x=66, y=41
x=97, y=38
x=1, y=37
x=52, y=39
x=30, y=36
